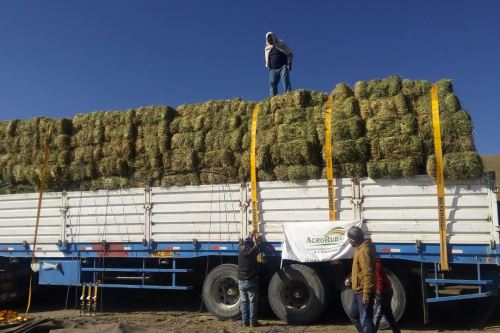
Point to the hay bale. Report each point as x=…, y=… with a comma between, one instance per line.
x=219, y=175
x=297, y=173
x=373, y=89
x=88, y=129
x=295, y=152
x=119, y=149
x=456, y=133
x=290, y=115
x=111, y=166
x=416, y=88
x=218, y=158
x=118, y=125
x=349, y=151
x=396, y=147
x=298, y=98
x=188, y=140
x=217, y=140
x=393, y=168
x=458, y=166
x=344, y=109
x=361, y=90
x=265, y=175
x=341, y=92
x=184, y=160
x=391, y=126
x=383, y=107
x=451, y=103
x=348, y=129
x=300, y=130
x=109, y=183
x=347, y=170
x=181, y=179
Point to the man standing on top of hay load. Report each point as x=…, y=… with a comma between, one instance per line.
x=279, y=61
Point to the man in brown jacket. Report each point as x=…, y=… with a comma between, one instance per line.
x=362, y=281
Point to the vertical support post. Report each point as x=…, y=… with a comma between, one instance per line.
x=243, y=210
x=147, y=215
x=423, y=288
x=439, y=179
x=143, y=268
x=436, y=287
x=64, y=216
x=173, y=274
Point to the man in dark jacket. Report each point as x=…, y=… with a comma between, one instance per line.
x=279, y=61
x=362, y=281
x=248, y=279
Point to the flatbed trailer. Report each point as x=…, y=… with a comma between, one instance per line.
x=166, y=238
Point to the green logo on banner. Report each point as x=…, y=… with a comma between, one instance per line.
x=332, y=237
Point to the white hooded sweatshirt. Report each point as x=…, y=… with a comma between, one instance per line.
x=280, y=45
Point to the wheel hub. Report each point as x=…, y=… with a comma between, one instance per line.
x=296, y=294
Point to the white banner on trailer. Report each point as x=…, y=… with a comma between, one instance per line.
x=317, y=241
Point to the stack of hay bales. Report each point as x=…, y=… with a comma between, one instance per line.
x=349, y=145
x=152, y=144
x=225, y=124
x=187, y=145
x=287, y=146
x=207, y=143
x=383, y=129
x=461, y=160
x=103, y=149
x=22, y=153
x=391, y=129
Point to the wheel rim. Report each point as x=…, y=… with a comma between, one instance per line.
x=295, y=294
x=226, y=292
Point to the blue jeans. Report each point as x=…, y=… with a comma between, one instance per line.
x=362, y=315
x=249, y=295
x=274, y=78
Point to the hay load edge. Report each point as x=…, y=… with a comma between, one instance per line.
x=381, y=129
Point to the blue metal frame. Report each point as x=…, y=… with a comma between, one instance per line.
x=485, y=287
x=427, y=253
x=75, y=252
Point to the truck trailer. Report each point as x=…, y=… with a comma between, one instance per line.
x=173, y=238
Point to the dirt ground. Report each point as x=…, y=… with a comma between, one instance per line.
x=153, y=311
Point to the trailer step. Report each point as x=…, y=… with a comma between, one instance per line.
x=459, y=297
x=144, y=286
x=138, y=270
x=456, y=281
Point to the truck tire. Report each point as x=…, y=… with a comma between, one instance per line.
x=398, y=302
x=297, y=294
x=221, y=293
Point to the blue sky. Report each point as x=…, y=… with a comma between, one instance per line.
x=63, y=57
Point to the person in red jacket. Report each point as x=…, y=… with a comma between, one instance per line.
x=383, y=297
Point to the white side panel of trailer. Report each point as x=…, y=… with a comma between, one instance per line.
x=403, y=211
x=18, y=219
x=205, y=213
x=284, y=202
x=113, y=216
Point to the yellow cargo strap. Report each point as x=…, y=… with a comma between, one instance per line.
x=439, y=179
x=253, y=171
x=328, y=158
x=41, y=189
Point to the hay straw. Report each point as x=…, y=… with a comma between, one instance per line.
x=457, y=166
x=391, y=169
x=396, y=147
x=391, y=126
x=350, y=151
